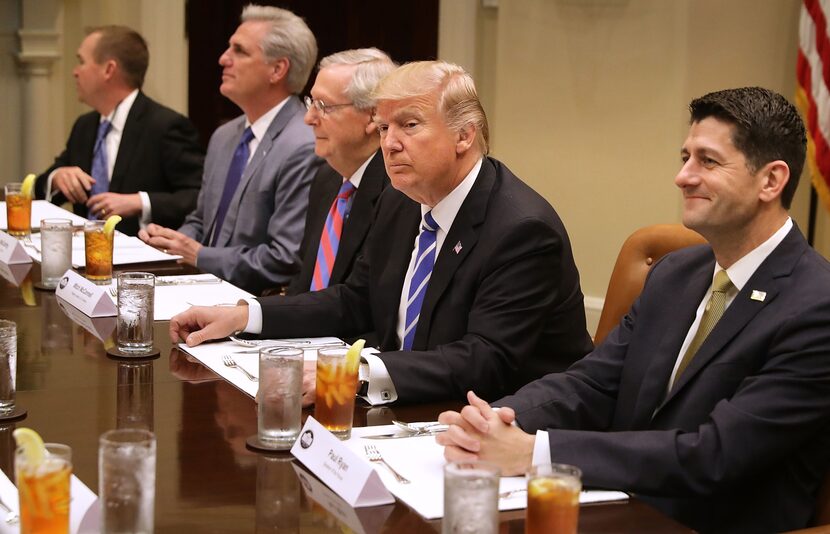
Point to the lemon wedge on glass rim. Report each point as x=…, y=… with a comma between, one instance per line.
x=31, y=443
x=109, y=225
x=28, y=187
x=353, y=355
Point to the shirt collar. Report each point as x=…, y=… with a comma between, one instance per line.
x=358, y=174
x=445, y=211
x=118, y=116
x=742, y=270
x=260, y=126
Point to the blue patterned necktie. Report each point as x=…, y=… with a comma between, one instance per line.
x=330, y=238
x=99, y=162
x=424, y=262
x=238, y=163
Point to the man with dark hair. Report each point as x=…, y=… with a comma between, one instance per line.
x=250, y=215
x=131, y=156
x=710, y=399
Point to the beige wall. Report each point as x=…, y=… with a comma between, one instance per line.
x=587, y=102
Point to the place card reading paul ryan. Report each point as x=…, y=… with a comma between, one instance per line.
x=11, y=250
x=350, y=475
x=91, y=299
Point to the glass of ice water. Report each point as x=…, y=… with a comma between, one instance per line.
x=8, y=365
x=280, y=396
x=471, y=498
x=55, y=250
x=134, y=325
x=127, y=480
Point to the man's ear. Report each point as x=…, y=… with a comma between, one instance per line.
x=371, y=126
x=110, y=68
x=466, y=138
x=280, y=69
x=774, y=175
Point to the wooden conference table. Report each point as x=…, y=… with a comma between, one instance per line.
x=207, y=480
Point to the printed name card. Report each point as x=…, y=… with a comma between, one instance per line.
x=16, y=273
x=100, y=327
x=11, y=250
x=91, y=299
x=350, y=476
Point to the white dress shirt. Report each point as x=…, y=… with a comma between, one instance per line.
x=739, y=273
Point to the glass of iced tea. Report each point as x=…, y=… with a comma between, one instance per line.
x=18, y=210
x=44, y=490
x=553, y=499
x=336, y=388
x=98, y=247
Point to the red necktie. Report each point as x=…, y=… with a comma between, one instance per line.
x=330, y=238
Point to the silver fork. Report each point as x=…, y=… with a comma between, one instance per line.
x=11, y=516
x=28, y=242
x=374, y=456
x=228, y=360
x=114, y=291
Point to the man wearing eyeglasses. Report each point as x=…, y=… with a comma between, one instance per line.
x=345, y=191
x=467, y=276
x=250, y=215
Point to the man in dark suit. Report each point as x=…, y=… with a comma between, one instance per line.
x=131, y=156
x=719, y=418
x=467, y=277
x=250, y=215
x=344, y=192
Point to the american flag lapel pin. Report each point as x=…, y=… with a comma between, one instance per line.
x=758, y=295
x=457, y=247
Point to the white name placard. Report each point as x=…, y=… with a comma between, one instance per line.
x=90, y=298
x=11, y=250
x=100, y=327
x=16, y=273
x=349, y=475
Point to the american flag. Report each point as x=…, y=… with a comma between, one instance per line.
x=813, y=92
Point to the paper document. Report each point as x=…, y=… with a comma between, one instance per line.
x=210, y=354
x=42, y=209
x=421, y=460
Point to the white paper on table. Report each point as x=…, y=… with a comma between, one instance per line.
x=421, y=460
x=210, y=354
x=42, y=209
x=82, y=500
x=126, y=250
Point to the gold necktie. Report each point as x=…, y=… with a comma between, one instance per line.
x=711, y=315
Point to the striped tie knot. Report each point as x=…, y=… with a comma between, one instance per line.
x=428, y=223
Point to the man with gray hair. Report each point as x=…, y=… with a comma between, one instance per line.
x=250, y=215
x=467, y=276
x=344, y=193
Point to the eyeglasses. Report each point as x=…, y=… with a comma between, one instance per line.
x=321, y=106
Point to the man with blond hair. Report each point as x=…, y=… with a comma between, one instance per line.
x=131, y=156
x=249, y=219
x=467, y=277
x=344, y=192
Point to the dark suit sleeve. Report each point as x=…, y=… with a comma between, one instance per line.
x=182, y=158
x=772, y=413
x=78, y=152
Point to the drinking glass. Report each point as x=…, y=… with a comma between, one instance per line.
x=98, y=248
x=471, y=498
x=134, y=400
x=18, y=210
x=553, y=499
x=280, y=396
x=8, y=365
x=55, y=250
x=134, y=325
x=336, y=388
x=44, y=490
x=127, y=480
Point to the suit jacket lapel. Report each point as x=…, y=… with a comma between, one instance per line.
x=291, y=107
x=406, y=227
x=129, y=140
x=361, y=214
x=464, y=231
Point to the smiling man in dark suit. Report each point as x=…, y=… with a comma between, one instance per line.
x=343, y=194
x=710, y=399
x=467, y=276
x=131, y=156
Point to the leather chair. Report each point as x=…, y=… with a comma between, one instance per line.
x=639, y=252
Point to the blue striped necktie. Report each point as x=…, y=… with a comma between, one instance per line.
x=424, y=262
x=99, y=162
x=238, y=164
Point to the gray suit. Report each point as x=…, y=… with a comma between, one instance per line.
x=259, y=241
